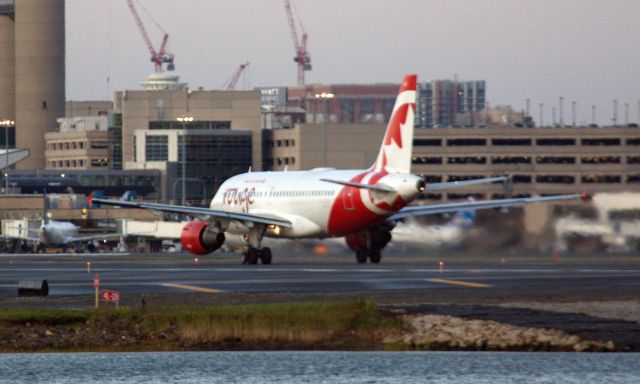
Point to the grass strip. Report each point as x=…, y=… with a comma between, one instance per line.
x=308, y=325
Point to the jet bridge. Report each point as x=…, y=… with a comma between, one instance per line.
x=9, y=157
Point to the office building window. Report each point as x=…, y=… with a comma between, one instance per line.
x=156, y=148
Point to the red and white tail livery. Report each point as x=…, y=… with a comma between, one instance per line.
x=362, y=205
x=395, y=151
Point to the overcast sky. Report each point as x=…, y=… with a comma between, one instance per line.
x=584, y=50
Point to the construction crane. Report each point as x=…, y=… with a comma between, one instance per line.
x=302, y=58
x=230, y=84
x=162, y=56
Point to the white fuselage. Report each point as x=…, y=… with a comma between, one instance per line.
x=314, y=207
x=57, y=232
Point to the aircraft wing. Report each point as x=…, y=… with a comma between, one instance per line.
x=266, y=219
x=29, y=238
x=422, y=210
x=463, y=183
x=101, y=236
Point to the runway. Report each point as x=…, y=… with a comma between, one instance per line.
x=70, y=275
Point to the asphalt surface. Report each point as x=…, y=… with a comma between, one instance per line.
x=464, y=285
x=497, y=277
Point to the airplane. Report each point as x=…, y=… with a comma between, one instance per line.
x=363, y=206
x=52, y=233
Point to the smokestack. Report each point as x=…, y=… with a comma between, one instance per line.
x=561, y=107
x=615, y=112
x=528, y=108
x=541, y=107
x=573, y=113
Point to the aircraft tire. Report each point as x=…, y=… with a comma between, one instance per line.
x=252, y=256
x=375, y=256
x=361, y=257
x=265, y=255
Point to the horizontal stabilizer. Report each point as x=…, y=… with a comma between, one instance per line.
x=375, y=187
x=462, y=183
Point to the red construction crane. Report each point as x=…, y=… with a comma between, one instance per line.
x=302, y=58
x=157, y=57
x=233, y=80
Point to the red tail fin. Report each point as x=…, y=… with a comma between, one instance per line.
x=395, y=152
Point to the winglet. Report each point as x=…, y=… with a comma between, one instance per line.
x=585, y=197
x=90, y=200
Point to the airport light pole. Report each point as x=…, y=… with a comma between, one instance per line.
x=6, y=124
x=184, y=120
x=325, y=98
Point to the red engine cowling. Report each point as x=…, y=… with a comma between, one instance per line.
x=198, y=240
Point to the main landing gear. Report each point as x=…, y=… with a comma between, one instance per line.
x=374, y=255
x=254, y=250
x=252, y=255
x=368, y=244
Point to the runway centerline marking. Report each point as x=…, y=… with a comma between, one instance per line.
x=192, y=288
x=458, y=282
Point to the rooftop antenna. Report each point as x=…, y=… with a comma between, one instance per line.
x=541, y=122
x=626, y=114
x=573, y=113
x=561, y=108
x=615, y=112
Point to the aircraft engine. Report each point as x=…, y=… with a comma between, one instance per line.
x=198, y=239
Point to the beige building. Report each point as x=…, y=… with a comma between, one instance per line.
x=32, y=72
x=87, y=108
x=80, y=143
x=159, y=109
x=348, y=146
x=77, y=150
x=539, y=160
